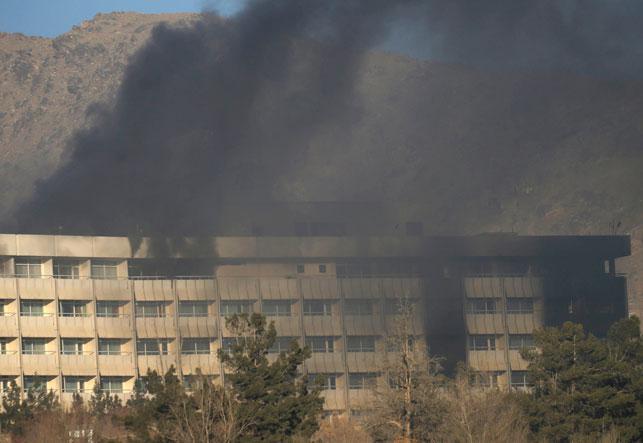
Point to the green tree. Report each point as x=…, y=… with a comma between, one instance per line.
x=101, y=403
x=274, y=399
x=585, y=387
x=19, y=409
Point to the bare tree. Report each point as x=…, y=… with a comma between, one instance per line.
x=209, y=414
x=408, y=406
x=483, y=415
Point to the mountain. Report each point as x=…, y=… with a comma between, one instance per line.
x=463, y=149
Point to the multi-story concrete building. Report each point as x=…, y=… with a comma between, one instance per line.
x=76, y=311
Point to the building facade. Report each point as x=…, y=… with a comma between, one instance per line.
x=77, y=311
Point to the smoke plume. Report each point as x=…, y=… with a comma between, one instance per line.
x=209, y=113
x=218, y=110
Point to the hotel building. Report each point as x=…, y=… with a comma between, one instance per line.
x=76, y=311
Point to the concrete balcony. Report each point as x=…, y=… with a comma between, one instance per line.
x=153, y=327
x=67, y=398
x=278, y=288
x=329, y=362
x=524, y=287
x=286, y=326
x=8, y=287
x=38, y=326
x=485, y=323
x=36, y=288
x=159, y=363
x=497, y=287
x=488, y=287
x=334, y=400
x=196, y=289
x=198, y=326
x=207, y=363
x=523, y=323
x=363, y=325
x=9, y=363
x=114, y=327
x=238, y=288
x=487, y=360
x=112, y=365
x=361, y=287
x=73, y=289
x=151, y=290
x=319, y=288
x=396, y=287
x=76, y=326
x=360, y=398
x=516, y=361
x=322, y=325
x=364, y=361
x=78, y=364
x=9, y=325
x=41, y=364
x=112, y=289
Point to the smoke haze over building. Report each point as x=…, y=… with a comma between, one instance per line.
x=220, y=109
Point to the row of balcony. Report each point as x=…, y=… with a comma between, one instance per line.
x=211, y=288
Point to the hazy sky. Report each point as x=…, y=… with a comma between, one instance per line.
x=50, y=18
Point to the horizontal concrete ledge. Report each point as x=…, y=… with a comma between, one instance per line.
x=504, y=245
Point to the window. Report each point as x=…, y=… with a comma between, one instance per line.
x=66, y=268
x=73, y=384
x=34, y=346
x=231, y=307
x=320, y=344
x=193, y=309
x=362, y=380
x=482, y=305
x=317, y=307
x=519, y=379
x=72, y=346
x=32, y=308
x=3, y=345
x=359, y=307
x=108, y=308
x=394, y=343
x=485, y=379
x=326, y=382
x=276, y=308
x=281, y=344
x=322, y=269
x=28, y=267
x=360, y=343
x=520, y=305
x=34, y=382
x=3, y=304
x=152, y=346
x=482, y=342
x=521, y=341
x=5, y=382
x=300, y=269
x=111, y=385
x=195, y=346
x=73, y=309
x=150, y=309
x=227, y=343
x=109, y=346
x=104, y=269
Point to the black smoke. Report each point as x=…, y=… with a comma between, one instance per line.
x=218, y=110
x=209, y=113
x=599, y=38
